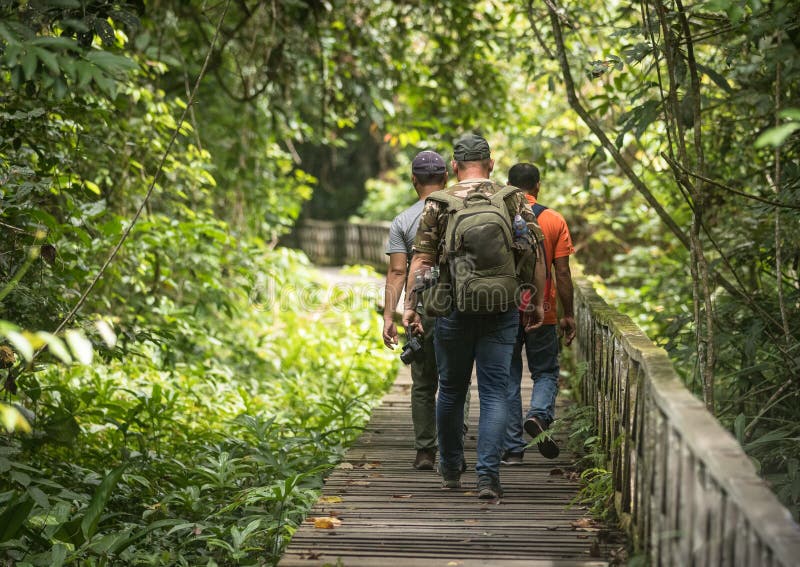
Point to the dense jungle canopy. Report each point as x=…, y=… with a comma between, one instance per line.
x=153, y=154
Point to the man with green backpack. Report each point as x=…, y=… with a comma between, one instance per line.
x=482, y=242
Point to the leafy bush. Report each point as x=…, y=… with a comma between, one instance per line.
x=207, y=448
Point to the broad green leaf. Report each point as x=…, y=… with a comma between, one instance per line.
x=721, y=81
x=777, y=136
x=19, y=342
x=120, y=546
x=106, y=333
x=56, y=346
x=790, y=113
x=56, y=42
x=29, y=62
x=39, y=497
x=13, y=420
x=81, y=348
x=99, y=500
x=48, y=58
x=110, y=62
x=58, y=555
x=92, y=186
x=13, y=516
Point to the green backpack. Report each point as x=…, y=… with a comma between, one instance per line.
x=478, y=250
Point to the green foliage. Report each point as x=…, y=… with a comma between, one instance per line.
x=207, y=448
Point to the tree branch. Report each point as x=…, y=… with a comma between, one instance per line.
x=710, y=181
x=575, y=104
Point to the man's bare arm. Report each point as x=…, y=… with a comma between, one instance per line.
x=565, y=292
x=534, y=317
x=395, y=280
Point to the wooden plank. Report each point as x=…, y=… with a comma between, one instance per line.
x=390, y=512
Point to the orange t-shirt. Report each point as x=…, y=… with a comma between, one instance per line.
x=557, y=244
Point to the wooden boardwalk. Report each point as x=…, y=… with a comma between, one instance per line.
x=393, y=515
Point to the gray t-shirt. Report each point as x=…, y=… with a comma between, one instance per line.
x=404, y=229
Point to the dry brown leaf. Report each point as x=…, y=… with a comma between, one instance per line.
x=586, y=524
x=326, y=522
x=454, y=563
x=556, y=472
x=470, y=521
x=345, y=466
x=358, y=483
x=402, y=495
x=330, y=499
x=7, y=357
x=372, y=465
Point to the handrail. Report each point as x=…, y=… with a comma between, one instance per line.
x=690, y=493
x=685, y=489
x=342, y=242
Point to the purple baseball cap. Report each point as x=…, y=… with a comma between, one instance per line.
x=428, y=162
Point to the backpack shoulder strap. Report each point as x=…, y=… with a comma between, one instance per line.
x=538, y=210
x=498, y=199
x=452, y=202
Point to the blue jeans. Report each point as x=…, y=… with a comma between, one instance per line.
x=541, y=349
x=461, y=341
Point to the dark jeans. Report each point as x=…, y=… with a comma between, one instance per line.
x=541, y=350
x=461, y=341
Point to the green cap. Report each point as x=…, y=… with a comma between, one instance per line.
x=471, y=147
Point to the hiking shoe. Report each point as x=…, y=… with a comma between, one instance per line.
x=424, y=460
x=489, y=488
x=547, y=447
x=451, y=481
x=512, y=458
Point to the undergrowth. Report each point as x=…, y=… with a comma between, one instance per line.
x=207, y=449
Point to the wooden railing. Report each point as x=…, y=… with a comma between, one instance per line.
x=685, y=489
x=689, y=493
x=342, y=242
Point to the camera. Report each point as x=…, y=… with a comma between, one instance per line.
x=412, y=350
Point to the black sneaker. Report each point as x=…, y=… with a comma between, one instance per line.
x=512, y=458
x=489, y=488
x=547, y=447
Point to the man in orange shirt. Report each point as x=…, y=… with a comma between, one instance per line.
x=541, y=345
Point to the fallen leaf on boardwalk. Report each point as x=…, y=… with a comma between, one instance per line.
x=402, y=495
x=470, y=493
x=376, y=475
x=345, y=466
x=330, y=499
x=585, y=524
x=358, y=483
x=326, y=522
x=556, y=472
x=551, y=528
x=468, y=521
x=453, y=563
x=372, y=465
